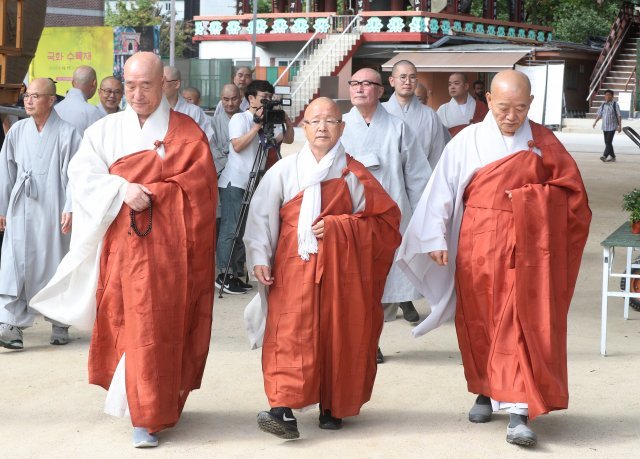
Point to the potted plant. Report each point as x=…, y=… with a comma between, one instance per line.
x=631, y=203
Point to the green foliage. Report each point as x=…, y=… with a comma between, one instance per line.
x=572, y=20
x=631, y=204
x=147, y=13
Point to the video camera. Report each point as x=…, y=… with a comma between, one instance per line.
x=272, y=116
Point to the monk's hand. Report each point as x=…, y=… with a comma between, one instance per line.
x=509, y=194
x=263, y=274
x=137, y=197
x=3, y=223
x=318, y=229
x=65, y=222
x=441, y=257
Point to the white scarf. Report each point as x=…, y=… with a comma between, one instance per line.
x=310, y=174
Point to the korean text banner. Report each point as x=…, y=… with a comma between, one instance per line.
x=62, y=49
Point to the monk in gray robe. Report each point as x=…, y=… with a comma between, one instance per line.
x=35, y=210
x=230, y=99
x=75, y=109
x=422, y=120
x=387, y=147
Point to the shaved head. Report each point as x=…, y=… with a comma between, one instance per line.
x=323, y=126
x=509, y=100
x=367, y=74
x=231, y=99
x=403, y=63
x=512, y=79
x=143, y=83
x=86, y=80
x=39, y=107
x=366, y=91
x=422, y=93
x=172, y=73
x=192, y=95
x=230, y=90
x=44, y=85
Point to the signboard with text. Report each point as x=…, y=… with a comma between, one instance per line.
x=62, y=49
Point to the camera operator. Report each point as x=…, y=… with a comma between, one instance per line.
x=245, y=135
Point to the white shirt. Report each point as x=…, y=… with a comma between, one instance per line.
x=239, y=164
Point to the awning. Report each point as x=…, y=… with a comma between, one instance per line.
x=459, y=61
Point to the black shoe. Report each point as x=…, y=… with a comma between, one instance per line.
x=603, y=159
x=243, y=285
x=328, y=422
x=409, y=311
x=280, y=422
x=379, y=356
x=231, y=285
x=481, y=410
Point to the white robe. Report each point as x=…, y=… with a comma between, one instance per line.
x=389, y=150
x=424, y=123
x=278, y=186
x=74, y=109
x=34, y=193
x=451, y=115
x=70, y=296
x=436, y=221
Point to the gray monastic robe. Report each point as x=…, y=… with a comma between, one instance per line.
x=74, y=109
x=424, y=123
x=388, y=148
x=220, y=145
x=33, y=196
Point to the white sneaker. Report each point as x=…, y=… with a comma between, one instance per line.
x=143, y=439
x=10, y=337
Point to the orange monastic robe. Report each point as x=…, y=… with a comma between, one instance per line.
x=478, y=115
x=516, y=269
x=325, y=314
x=155, y=293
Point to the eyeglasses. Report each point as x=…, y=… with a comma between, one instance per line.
x=110, y=92
x=316, y=123
x=363, y=83
x=35, y=95
x=403, y=78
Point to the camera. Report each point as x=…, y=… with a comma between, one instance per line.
x=271, y=116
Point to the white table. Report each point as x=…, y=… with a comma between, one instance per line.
x=622, y=237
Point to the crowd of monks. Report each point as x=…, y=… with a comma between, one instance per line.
x=109, y=220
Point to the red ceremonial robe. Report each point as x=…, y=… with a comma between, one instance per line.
x=155, y=293
x=478, y=115
x=325, y=314
x=516, y=269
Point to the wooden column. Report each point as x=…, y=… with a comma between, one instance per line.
x=490, y=9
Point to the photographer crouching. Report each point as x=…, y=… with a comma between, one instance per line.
x=247, y=130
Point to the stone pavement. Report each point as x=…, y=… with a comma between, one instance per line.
x=419, y=404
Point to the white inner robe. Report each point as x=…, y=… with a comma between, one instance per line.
x=452, y=114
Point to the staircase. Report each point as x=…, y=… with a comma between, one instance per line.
x=321, y=58
x=616, y=66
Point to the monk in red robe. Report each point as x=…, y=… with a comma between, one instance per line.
x=506, y=216
x=145, y=194
x=463, y=109
x=321, y=235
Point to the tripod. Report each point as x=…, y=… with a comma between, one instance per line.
x=258, y=169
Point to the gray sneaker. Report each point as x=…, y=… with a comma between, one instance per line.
x=59, y=335
x=481, y=410
x=10, y=337
x=521, y=435
x=143, y=439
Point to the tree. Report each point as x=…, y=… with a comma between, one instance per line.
x=142, y=13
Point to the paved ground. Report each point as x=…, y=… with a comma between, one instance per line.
x=419, y=403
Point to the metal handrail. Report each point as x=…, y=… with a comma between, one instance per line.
x=295, y=59
x=320, y=61
x=624, y=20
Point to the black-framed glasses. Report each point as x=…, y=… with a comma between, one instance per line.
x=34, y=95
x=363, y=83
